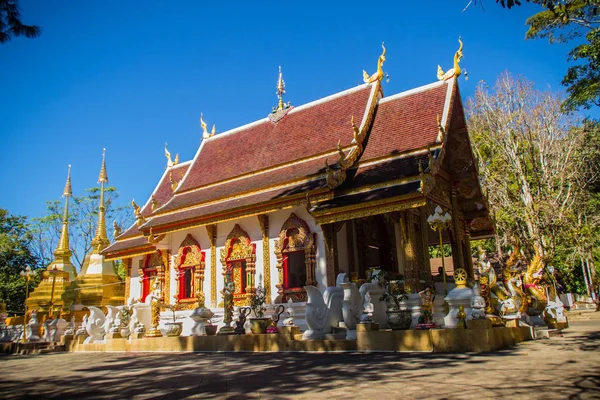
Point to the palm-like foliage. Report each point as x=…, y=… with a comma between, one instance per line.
x=10, y=22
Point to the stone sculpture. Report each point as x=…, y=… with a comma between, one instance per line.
x=352, y=308
x=322, y=311
x=95, y=325
x=477, y=303
x=289, y=320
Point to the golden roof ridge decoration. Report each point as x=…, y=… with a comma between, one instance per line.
x=282, y=108
x=154, y=203
x=116, y=229
x=378, y=75
x=205, y=133
x=455, y=71
x=139, y=218
x=100, y=240
x=171, y=163
x=174, y=183
x=337, y=175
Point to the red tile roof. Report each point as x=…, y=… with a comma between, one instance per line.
x=163, y=191
x=406, y=121
x=305, y=131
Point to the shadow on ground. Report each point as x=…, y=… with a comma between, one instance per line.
x=282, y=375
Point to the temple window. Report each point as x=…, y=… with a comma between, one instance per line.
x=295, y=251
x=238, y=258
x=189, y=268
x=152, y=266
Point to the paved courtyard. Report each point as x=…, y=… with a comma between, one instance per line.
x=562, y=367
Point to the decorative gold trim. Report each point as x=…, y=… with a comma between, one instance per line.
x=367, y=211
x=239, y=246
x=166, y=274
x=263, y=221
x=295, y=235
x=282, y=185
x=264, y=208
x=372, y=203
x=211, y=231
x=194, y=258
x=128, y=262
x=128, y=255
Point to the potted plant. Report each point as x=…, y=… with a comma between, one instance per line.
x=258, y=324
x=210, y=329
x=174, y=328
x=394, y=291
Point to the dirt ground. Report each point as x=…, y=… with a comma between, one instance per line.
x=557, y=368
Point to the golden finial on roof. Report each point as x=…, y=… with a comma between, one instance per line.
x=139, y=218
x=205, y=133
x=171, y=163
x=377, y=76
x=154, y=203
x=100, y=240
x=116, y=228
x=280, y=92
x=455, y=71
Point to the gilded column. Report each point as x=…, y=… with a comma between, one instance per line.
x=166, y=278
x=329, y=236
x=263, y=220
x=426, y=266
x=128, y=263
x=410, y=252
x=211, y=230
x=469, y=257
x=457, y=231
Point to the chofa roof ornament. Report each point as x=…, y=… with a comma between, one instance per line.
x=282, y=108
x=455, y=71
x=205, y=133
x=377, y=76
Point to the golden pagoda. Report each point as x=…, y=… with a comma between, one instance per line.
x=58, y=279
x=98, y=285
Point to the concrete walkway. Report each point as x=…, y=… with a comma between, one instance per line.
x=557, y=368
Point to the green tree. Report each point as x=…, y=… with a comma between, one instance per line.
x=16, y=242
x=10, y=22
x=537, y=167
x=566, y=20
x=83, y=219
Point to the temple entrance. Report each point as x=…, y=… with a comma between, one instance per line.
x=375, y=242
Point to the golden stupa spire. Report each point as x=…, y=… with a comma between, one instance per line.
x=100, y=241
x=63, y=252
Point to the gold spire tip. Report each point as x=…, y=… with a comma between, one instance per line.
x=103, y=177
x=67, y=192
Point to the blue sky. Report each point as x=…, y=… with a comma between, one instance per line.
x=132, y=75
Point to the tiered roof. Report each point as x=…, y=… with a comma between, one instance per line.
x=265, y=165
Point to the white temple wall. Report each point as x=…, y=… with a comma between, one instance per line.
x=135, y=286
x=276, y=221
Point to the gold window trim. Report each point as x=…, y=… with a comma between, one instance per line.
x=190, y=255
x=239, y=247
x=304, y=240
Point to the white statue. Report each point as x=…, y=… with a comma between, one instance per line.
x=352, y=308
x=111, y=319
x=322, y=311
x=477, y=303
x=373, y=308
x=289, y=312
x=95, y=325
x=82, y=330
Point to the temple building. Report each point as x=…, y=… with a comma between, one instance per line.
x=342, y=184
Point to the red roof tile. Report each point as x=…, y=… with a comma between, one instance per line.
x=406, y=122
x=163, y=192
x=305, y=131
